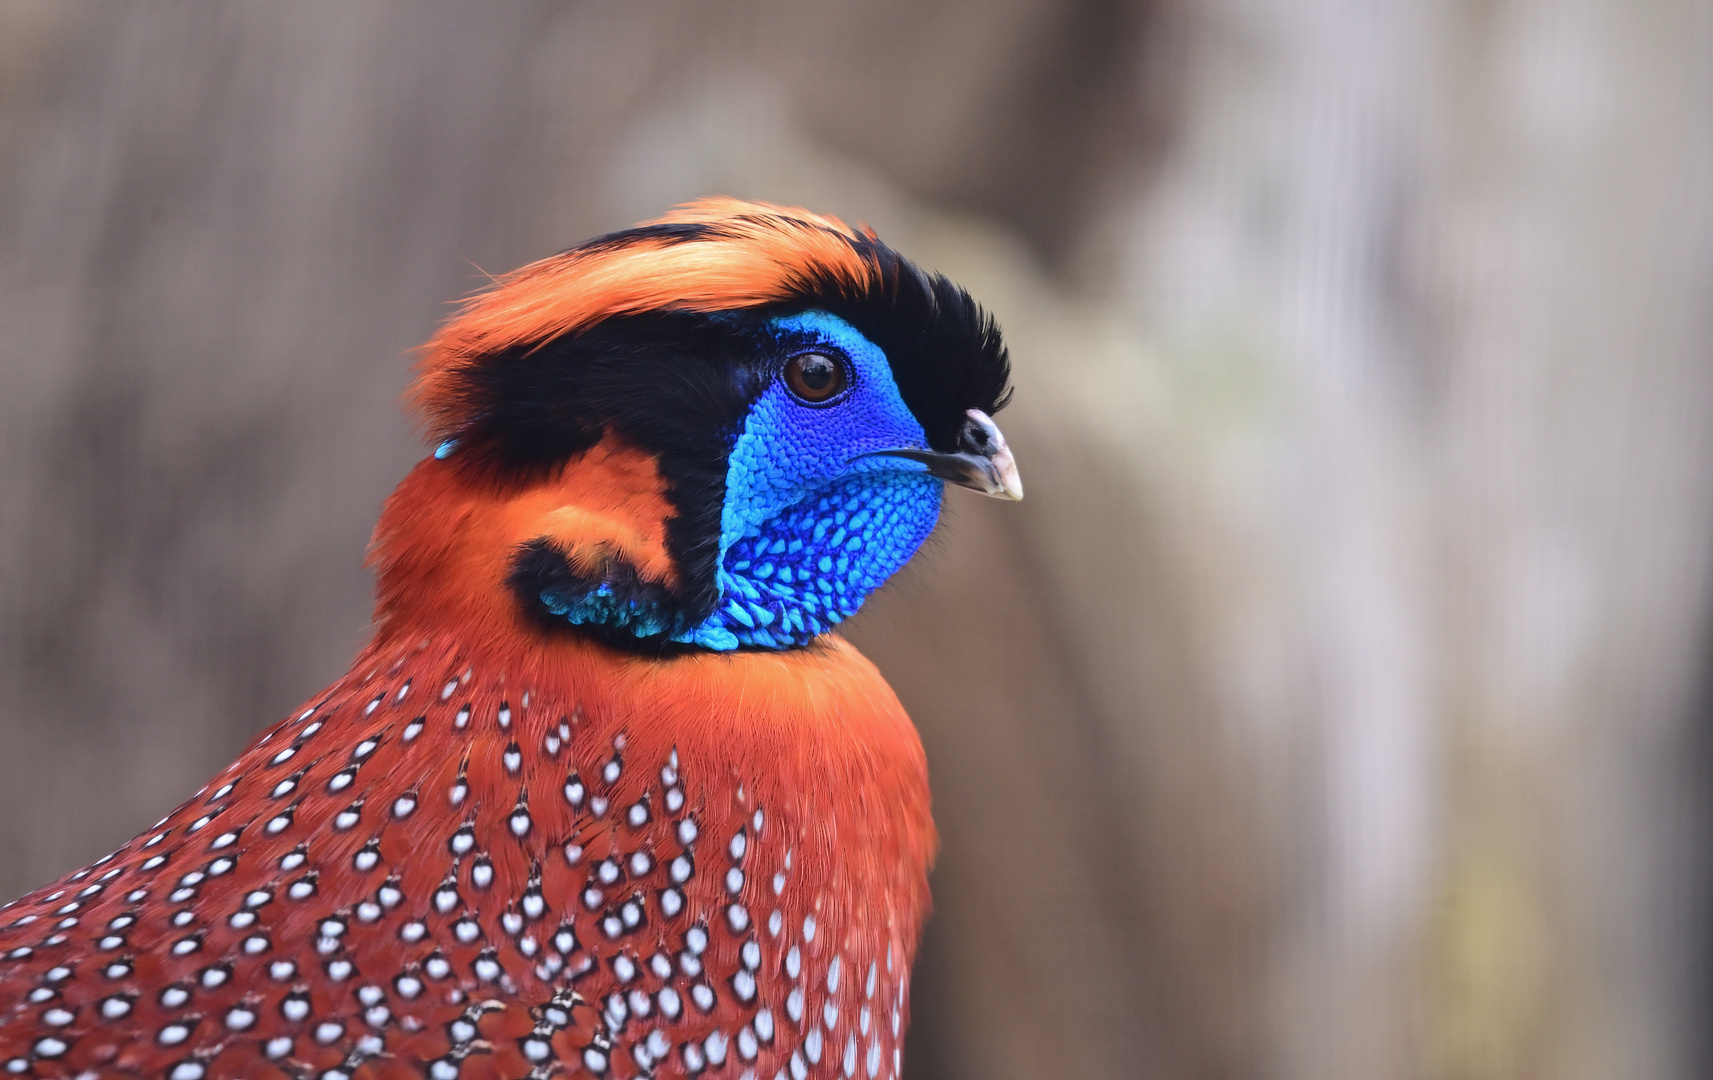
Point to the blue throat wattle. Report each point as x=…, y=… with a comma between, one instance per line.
x=808, y=527
x=813, y=566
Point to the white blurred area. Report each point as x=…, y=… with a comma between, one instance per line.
x=1334, y=706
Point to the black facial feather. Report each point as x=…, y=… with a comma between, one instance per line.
x=675, y=385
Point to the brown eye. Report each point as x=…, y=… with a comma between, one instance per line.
x=814, y=377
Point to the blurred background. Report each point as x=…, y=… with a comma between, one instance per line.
x=1337, y=704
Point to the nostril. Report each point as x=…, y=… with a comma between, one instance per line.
x=973, y=438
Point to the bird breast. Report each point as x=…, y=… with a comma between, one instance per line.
x=489, y=864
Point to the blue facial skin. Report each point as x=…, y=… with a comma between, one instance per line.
x=808, y=528
x=807, y=532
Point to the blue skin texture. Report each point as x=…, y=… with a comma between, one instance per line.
x=808, y=528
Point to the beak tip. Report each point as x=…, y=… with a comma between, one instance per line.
x=1003, y=483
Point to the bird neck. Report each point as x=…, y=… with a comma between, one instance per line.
x=449, y=540
x=606, y=547
x=807, y=733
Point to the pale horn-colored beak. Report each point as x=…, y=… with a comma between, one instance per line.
x=982, y=463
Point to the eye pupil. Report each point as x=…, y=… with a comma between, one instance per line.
x=814, y=377
x=817, y=373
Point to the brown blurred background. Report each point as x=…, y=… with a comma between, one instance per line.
x=1336, y=705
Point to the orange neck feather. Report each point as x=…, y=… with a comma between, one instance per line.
x=445, y=540
x=442, y=550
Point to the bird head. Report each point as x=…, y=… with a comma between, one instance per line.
x=720, y=430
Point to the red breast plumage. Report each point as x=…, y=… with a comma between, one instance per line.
x=502, y=870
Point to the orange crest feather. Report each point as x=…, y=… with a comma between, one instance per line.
x=757, y=254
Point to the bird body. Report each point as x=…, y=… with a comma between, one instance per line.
x=603, y=796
